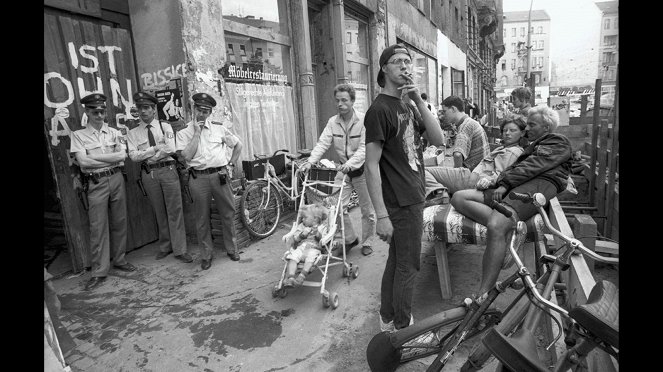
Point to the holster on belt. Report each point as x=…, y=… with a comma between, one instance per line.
x=139, y=181
x=144, y=167
x=82, y=191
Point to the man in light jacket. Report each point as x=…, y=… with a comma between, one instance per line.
x=345, y=131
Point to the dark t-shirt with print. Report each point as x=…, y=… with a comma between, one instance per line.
x=391, y=121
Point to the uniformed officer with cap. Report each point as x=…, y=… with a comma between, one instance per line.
x=153, y=142
x=100, y=153
x=203, y=144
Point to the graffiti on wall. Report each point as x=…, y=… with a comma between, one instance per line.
x=85, y=60
x=163, y=76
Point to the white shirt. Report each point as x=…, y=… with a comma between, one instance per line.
x=139, y=147
x=211, y=151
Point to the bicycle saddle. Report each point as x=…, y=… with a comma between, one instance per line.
x=600, y=315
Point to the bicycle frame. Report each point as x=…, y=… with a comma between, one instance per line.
x=269, y=176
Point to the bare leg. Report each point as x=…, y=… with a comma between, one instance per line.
x=469, y=203
x=292, y=268
x=499, y=227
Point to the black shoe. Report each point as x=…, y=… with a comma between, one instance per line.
x=185, y=257
x=161, y=255
x=205, y=264
x=94, y=282
x=126, y=267
x=234, y=256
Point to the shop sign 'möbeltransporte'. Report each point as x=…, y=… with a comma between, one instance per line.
x=237, y=73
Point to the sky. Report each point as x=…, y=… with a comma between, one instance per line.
x=574, y=37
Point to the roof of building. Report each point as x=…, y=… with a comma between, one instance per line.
x=521, y=16
x=608, y=7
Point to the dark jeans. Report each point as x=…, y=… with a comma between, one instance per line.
x=402, y=264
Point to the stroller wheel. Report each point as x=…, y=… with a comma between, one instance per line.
x=334, y=300
x=325, y=299
x=346, y=271
x=355, y=272
x=275, y=291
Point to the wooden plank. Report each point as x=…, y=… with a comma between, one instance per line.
x=605, y=246
x=613, y=166
x=595, y=133
x=86, y=7
x=443, y=269
x=584, y=227
x=602, y=156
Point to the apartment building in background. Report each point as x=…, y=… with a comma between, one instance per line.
x=609, y=45
x=512, y=66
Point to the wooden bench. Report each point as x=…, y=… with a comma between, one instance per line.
x=444, y=225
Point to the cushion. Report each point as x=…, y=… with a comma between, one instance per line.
x=444, y=223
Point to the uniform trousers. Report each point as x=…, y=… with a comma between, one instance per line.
x=203, y=187
x=107, y=214
x=162, y=187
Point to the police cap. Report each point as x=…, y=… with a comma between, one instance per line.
x=94, y=101
x=142, y=98
x=204, y=100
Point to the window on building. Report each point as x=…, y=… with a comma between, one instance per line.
x=540, y=64
x=513, y=47
x=513, y=64
x=504, y=66
x=616, y=18
x=270, y=52
x=540, y=44
x=522, y=31
x=610, y=40
x=457, y=83
x=513, y=32
x=457, y=22
x=531, y=30
x=357, y=58
x=606, y=24
x=608, y=57
x=540, y=30
x=504, y=80
x=537, y=78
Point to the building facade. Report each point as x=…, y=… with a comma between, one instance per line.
x=609, y=45
x=271, y=65
x=512, y=66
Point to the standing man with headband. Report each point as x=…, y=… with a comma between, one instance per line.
x=153, y=142
x=395, y=178
x=99, y=151
x=203, y=144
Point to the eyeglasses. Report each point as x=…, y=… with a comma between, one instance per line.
x=399, y=61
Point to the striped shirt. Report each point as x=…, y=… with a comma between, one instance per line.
x=471, y=142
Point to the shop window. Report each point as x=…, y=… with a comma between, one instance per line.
x=258, y=88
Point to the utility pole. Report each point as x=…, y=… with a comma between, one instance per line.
x=529, y=38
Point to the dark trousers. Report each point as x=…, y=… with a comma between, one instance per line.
x=162, y=187
x=108, y=223
x=402, y=264
x=203, y=188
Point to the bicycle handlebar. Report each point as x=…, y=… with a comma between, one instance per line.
x=500, y=208
x=539, y=201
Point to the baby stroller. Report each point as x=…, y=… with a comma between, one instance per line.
x=322, y=189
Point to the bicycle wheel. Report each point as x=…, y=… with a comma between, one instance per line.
x=260, y=215
x=424, y=338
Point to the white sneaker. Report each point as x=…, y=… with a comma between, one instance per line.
x=386, y=327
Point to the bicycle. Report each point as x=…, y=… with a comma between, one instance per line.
x=444, y=332
x=261, y=204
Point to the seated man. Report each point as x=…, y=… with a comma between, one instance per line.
x=470, y=147
x=543, y=167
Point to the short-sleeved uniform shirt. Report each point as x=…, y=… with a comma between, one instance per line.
x=393, y=123
x=211, y=151
x=472, y=142
x=139, y=145
x=106, y=140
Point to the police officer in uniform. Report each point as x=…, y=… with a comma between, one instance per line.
x=153, y=142
x=203, y=144
x=100, y=152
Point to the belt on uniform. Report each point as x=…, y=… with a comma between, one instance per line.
x=208, y=170
x=108, y=172
x=161, y=164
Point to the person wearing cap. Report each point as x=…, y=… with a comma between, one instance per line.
x=153, y=142
x=346, y=133
x=203, y=145
x=395, y=178
x=99, y=151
